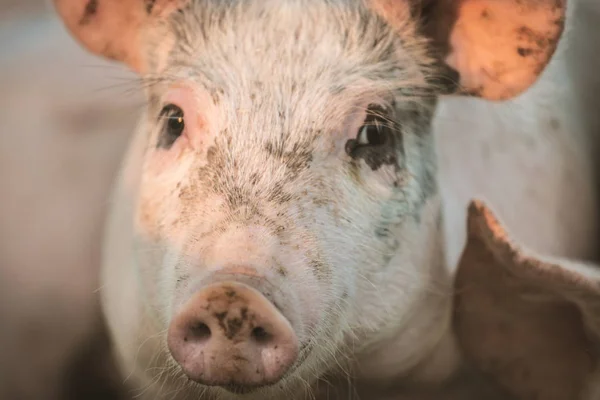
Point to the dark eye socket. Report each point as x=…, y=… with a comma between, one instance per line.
x=173, y=126
x=375, y=141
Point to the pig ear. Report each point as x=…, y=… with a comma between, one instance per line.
x=532, y=324
x=498, y=47
x=113, y=28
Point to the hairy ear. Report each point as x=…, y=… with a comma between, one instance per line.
x=113, y=28
x=532, y=324
x=498, y=47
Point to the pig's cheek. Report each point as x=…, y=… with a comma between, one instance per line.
x=161, y=161
x=164, y=172
x=150, y=213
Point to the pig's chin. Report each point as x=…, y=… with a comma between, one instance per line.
x=290, y=382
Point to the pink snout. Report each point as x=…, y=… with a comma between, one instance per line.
x=228, y=334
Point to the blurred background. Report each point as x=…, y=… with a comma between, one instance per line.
x=65, y=119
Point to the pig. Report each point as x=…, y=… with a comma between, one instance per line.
x=290, y=210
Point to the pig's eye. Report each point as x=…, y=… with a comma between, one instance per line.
x=173, y=125
x=374, y=132
x=375, y=141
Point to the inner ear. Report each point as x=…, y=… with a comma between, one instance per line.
x=494, y=49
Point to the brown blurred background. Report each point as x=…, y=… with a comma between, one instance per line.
x=65, y=118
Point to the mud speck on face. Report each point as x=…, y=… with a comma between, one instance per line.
x=90, y=10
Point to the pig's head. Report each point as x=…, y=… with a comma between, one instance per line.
x=286, y=212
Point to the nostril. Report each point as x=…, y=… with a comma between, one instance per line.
x=198, y=332
x=260, y=335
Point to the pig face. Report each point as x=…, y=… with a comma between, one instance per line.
x=296, y=152
x=287, y=186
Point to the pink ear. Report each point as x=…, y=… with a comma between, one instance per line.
x=530, y=323
x=498, y=47
x=113, y=28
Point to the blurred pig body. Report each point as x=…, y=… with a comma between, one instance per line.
x=278, y=216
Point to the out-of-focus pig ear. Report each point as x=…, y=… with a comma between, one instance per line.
x=498, y=47
x=113, y=28
x=531, y=323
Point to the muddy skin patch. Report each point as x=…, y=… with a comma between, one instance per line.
x=278, y=195
x=149, y=6
x=219, y=177
x=296, y=159
x=427, y=183
x=281, y=271
x=523, y=52
x=239, y=196
x=537, y=45
x=392, y=243
x=181, y=281
x=319, y=268
x=91, y=8
x=233, y=325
